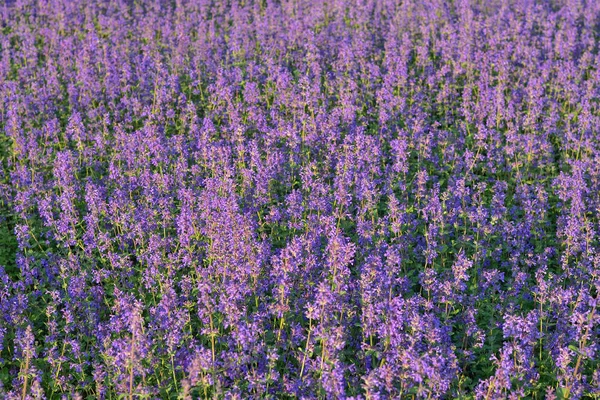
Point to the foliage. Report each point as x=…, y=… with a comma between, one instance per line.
x=364, y=199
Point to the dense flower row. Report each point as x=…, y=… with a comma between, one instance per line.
x=366, y=199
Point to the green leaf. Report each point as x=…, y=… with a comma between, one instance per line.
x=563, y=393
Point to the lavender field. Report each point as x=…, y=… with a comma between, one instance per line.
x=299, y=199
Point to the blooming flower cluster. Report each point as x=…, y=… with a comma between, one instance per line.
x=341, y=199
